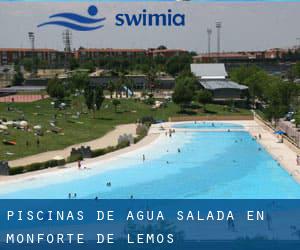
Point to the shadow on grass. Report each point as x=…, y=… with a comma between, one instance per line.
x=209, y=112
x=103, y=118
x=187, y=112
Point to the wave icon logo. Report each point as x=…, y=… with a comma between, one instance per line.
x=77, y=22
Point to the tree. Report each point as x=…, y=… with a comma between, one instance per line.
x=111, y=88
x=204, y=97
x=28, y=64
x=55, y=89
x=89, y=65
x=74, y=64
x=18, y=78
x=296, y=70
x=94, y=98
x=177, y=64
x=151, y=79
x=79, y=80
x=161, y=47
x=116, y=103
x=184, y=91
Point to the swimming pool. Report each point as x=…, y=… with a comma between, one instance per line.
x=208, y=125
x=209, y=165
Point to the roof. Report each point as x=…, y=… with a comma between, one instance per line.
x=209, y=70
x=168, y=50
x=26, y=50
x=110, y=50
x=221, y=84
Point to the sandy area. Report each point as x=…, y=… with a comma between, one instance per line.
x=284, y=153
x=109, y=139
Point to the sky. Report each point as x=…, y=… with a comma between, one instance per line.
x=245, y=26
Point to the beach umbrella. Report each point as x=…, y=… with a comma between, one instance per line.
x=23, y=124
x=3, y=127
x=37, y=127
x=279, y=132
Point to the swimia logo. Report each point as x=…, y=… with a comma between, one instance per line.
x=88, y=23
x=77, y=22
x=150, y=19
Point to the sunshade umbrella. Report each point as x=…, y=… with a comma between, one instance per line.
x=279, y=132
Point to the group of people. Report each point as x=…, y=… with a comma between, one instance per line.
x=74, y=196
x=259, y=137
x=171, y=131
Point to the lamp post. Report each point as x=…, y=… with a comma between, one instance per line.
x=209, y=31
x=218, y=26
x=31, y=37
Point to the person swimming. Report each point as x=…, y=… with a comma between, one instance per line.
x=178, y=150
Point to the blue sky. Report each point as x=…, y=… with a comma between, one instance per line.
x=246, y=26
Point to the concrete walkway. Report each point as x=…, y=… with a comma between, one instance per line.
x=109, y=139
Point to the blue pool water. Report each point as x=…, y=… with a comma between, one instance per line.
x=210, y=165
x=208, y=125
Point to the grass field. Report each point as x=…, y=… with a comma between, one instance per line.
x=84, y=128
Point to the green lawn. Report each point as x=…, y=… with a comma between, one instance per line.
x=79, y=130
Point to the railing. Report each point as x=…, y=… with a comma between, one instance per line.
x=289, y=141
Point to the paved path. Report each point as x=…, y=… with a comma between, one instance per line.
x=109, y=139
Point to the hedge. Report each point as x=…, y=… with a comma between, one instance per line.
x=73, y=158
x=36, y=166
x=103, y=151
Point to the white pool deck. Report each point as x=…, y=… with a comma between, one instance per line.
x=284, y=153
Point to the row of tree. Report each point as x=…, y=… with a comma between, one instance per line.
x=273, y=95
x=78, y=83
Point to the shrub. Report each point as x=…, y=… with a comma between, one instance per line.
x=74, y=157
x=123, y=144
x=141, y=129
x=36, y=166
x=16, y=170
x=147, y=119
x=98, y=152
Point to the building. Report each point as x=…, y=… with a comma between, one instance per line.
x=6, y=75
x=214, y=78
x=11, y=55
x=92, y=53
x=229, y=57
x=136, y=81
x=166, y=52
x=244, y=56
